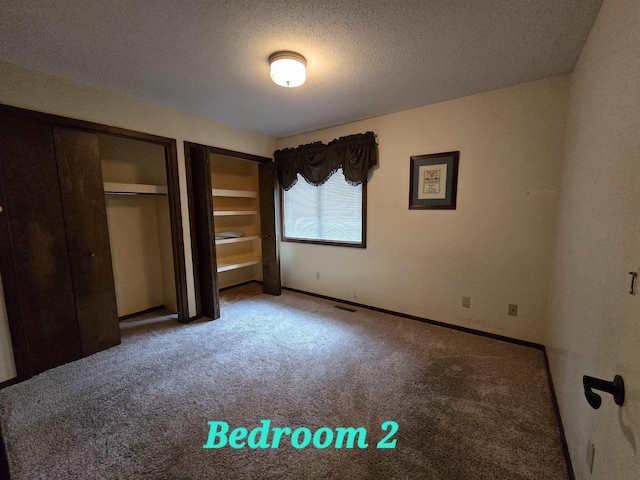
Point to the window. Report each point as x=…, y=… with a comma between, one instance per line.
x=331, y=214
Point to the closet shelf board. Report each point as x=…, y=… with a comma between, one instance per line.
x=232, y=263
x=227, y=213
x=124, y=188
x=236, y=240
x=217, y=192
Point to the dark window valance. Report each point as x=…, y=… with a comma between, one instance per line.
x=316, y=162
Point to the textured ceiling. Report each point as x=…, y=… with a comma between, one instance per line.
x=364, y=58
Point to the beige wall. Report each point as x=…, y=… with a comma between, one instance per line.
x=45, y=93
x=135, y=252
x=594, y=326
x=496, y=247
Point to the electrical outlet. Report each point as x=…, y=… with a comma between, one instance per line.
x=317, y=275
x=513, y=310
x=591, y=451
x=466, y=302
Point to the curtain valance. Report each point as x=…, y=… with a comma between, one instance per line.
x=316, y=162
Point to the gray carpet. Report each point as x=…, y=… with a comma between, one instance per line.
x=468, y=407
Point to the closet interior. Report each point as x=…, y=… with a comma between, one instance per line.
x=135, y=185
x=232, y=199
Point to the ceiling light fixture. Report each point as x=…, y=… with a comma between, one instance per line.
x=288, y=69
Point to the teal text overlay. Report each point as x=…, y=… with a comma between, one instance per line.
x=266, y=436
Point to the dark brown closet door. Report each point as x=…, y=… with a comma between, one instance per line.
x=33, y=250
x=270, y=259
x=85, y=218
x=205, y=249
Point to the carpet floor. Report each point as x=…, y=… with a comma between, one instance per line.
x=467, y=407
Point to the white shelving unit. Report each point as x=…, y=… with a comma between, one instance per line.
x=236, y=208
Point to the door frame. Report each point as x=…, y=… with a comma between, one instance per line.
x=200, y=218
x=16, y=324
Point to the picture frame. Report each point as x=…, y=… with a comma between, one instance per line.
x=433, y=183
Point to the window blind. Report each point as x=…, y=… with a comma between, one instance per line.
x=330, y=212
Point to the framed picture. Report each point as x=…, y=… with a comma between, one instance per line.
x=434, y=181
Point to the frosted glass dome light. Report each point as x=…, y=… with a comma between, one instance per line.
x=288, y=69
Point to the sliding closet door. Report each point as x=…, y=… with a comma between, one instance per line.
x=33, y=249
x=270, y=259
x=85, y=219
x=207, y=276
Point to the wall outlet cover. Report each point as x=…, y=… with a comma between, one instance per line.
x=466, y=302
x=513, y=310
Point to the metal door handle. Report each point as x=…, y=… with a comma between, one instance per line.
x=615, y=388
x=634, y=275
x=92, y=255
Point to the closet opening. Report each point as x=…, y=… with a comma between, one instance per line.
x=232, y=199
x=58, y=175
x=134, y=174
